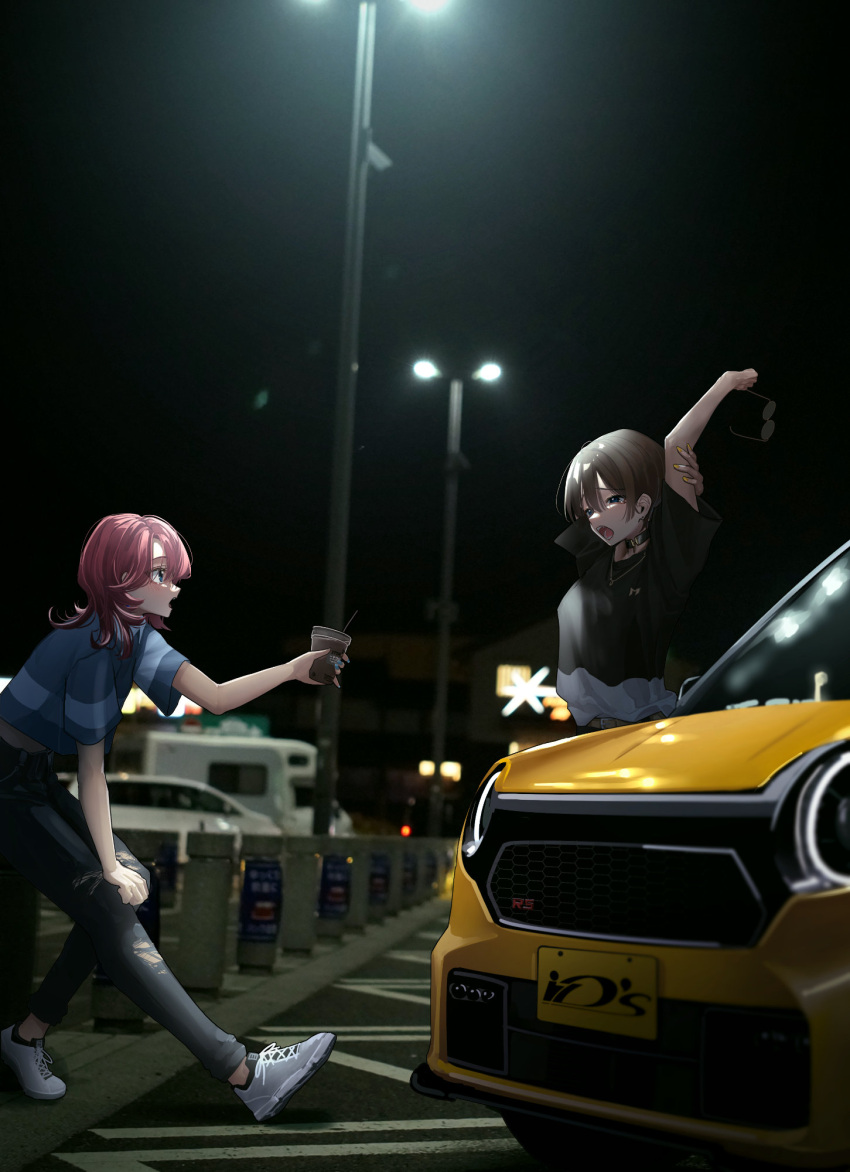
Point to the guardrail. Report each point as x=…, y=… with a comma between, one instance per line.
x=290, y=893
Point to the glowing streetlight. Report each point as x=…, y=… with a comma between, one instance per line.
x=489, y=372
x=455, y=461
x=364, y=154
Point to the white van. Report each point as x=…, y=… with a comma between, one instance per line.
x=272, y=775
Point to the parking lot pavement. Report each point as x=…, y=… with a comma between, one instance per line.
x=108, y=1073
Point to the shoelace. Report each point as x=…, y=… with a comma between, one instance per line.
x=42, y=1060
x=271, y=1054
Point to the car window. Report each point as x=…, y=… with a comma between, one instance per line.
x=162, y=797
x=183, y=797
x=236, y=778
x=799, y=656
x=129, y=793
x=209, y=803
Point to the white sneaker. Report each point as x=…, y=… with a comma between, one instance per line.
x=30, y=1062
x=279, y=1071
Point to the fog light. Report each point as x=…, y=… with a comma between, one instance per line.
x=476, y=1021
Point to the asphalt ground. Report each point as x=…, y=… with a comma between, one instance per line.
x=141, y=1103
x=169, y=1112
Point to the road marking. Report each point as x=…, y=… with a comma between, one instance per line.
x=306, y=1031
x=370, y=1066
x=413, y=957
x=288, y=1038
x=135, y=1161
x=283, y=1129
x=392, y=994
x=407, y=982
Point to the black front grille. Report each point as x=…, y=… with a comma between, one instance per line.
x=625, y=891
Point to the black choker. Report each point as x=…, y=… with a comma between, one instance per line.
x=638, y=539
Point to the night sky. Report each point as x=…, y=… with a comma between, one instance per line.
x=615, y=199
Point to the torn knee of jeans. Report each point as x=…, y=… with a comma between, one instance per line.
x=145, y=951
x=88, y=881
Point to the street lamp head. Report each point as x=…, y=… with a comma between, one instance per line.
x=489, y=372
x=424, y=368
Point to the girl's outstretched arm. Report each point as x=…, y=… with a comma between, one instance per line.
x=94, y=798
x=220, y=698
x=683, y=438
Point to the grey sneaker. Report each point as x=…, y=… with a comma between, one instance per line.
x=277, y=1072
x=30, y=1062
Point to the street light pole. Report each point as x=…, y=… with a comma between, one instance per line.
x=445, y=607
x=363, y=152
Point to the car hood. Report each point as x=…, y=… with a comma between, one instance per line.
x=729, y=750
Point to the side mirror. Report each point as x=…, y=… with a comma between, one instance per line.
x=686, y=687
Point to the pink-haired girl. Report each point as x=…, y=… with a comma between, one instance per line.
x=67, y=698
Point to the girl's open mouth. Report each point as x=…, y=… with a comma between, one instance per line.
x=605, y=532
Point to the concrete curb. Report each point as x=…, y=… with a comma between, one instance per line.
x=30, y=1129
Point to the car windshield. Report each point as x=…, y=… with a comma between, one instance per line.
x=796, y=655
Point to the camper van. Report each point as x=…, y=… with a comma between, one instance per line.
x=271, y=775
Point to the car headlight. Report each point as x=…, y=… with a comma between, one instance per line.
x=479, y=814
x=822, y=829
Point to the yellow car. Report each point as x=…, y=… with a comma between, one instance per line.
x=649, y=940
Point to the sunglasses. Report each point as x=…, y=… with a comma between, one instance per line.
x=767, y=415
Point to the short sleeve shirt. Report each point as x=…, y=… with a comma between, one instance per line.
x=617, y=620
x=69, y=692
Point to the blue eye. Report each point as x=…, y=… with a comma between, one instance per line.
x=615, y=500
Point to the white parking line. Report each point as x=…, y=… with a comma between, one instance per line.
x=392, y=994
x=411, y=957
x=376, y=1031
x=135, y=1161
x=218, y=1131
x=370, y=1066
x=405, y=982
x=289, y=1038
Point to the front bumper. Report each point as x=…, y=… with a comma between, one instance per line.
x=796, y=982
x=425, y=1082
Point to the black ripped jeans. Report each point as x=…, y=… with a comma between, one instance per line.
x=44, y=835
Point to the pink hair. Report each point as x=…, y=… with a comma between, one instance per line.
x=116, y=560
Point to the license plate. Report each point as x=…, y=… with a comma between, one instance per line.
x=611, y=991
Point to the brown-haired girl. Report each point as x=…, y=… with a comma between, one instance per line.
x=640, y=535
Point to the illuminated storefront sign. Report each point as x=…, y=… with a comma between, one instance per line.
x=516, y=682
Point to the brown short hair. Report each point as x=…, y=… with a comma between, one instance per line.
x=629, y=462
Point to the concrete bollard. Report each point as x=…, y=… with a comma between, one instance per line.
x=446, y=850
x=166, y=866
x=112, y=1009
x=395, y=848
x=301, y=872
x=379, y=880
x=260, y=902
x=335, y=888
x=207, y=883
x=429, y=869
x=360, y=852
x=409, y=867
x=19, y=917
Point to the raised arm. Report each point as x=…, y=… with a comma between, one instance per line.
x=680, y=463
x=220, y=698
